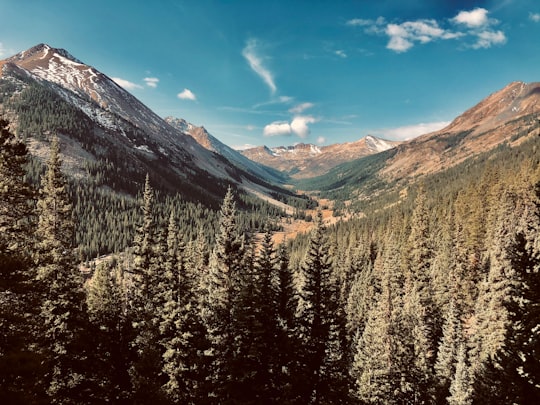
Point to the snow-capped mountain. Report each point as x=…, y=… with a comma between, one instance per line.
x=100, y=122
x=308, y=160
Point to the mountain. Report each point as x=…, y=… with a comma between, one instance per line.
x=506, y=116
x=105, y=130
x=308, y=160
x=504, y=120
x=211, y=143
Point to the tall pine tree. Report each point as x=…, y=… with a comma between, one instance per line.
x=19, y=365
x=322, y=374
x=63, y=313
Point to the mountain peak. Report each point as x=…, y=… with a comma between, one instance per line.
x=43, y=52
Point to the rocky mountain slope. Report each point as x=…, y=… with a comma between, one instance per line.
x=208, y=141
x=308, y=160
x=506, y=116
x=106, y=130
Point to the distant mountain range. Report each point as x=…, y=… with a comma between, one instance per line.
x=308, y=160
x=108, y=134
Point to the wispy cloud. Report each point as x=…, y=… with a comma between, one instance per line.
x=187, y=94
x=300, y=108
x=321, y=140
x=408, y=132
x=535, y=17
x=2, y=50
x=486, y=39
x=341, y=53
x=256, y=63
x=151, y=81
x=126, y=84
x=298, y=126
x=403, y=36
x=466, y=25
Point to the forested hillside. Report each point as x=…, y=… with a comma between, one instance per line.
x=431, y=296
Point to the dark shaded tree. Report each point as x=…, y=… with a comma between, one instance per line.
x=63, y=312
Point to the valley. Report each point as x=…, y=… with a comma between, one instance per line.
x=143, y=260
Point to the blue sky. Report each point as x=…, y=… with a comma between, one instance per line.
x=288, y=71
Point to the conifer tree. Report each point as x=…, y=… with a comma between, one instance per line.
x=514, y=368
x=144, y=296
x=447, y=355
x=16, y=195
x=286, y=336
x=19, y=365
x=63, y=313
x=461, y=392
x=380, y=363
x=106, y=309
x=181, y=334
x=419, y=305
x=217, y=298
x=322, y=357
x=265, y=350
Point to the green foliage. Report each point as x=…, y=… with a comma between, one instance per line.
x=62, y=313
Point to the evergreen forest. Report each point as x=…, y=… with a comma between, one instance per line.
x=431, y=296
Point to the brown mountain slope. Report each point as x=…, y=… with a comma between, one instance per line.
x=504, y=116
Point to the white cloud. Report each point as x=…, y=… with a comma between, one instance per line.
x=299, y=125
x=2, y=50
x=411, y=131
x=277, y=128
x=187, y=94
x=360, y=22
x=256, y=63
x=488, y=38
x=300, y=108
x=126, y=84
x=532, y=16
x=473, y=26
x=341, y=53
x=399, y=44
x=404, y=35
x=321, y=140
x=151, y=81
x=472, y=19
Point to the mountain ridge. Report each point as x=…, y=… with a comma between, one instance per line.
x=309, y=160
x=117, y=126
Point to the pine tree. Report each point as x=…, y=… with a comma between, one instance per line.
x=419, y=305
x=513, y=367
x=461, y=392
x=447, y=354
x=322, y=367
x=16, y=195
x=380, y=360
x=63, y=302
x=264, y=292
x=181, y=334
x=218, y=294
x=286, y=337
x=143, y=310
x=106, y=309
x=19, y=364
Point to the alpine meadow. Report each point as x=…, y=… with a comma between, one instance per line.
x=345, y=254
